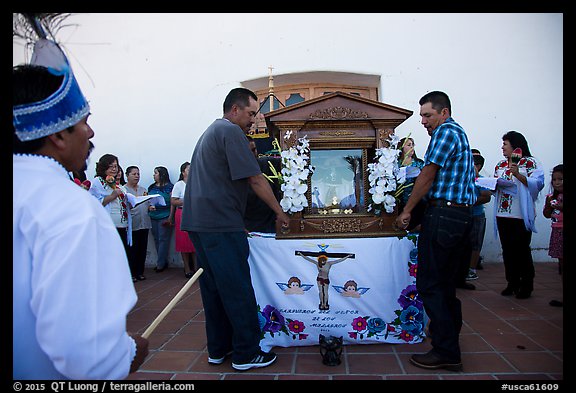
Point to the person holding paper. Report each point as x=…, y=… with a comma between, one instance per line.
x=141, y=225
x=70, y=283
x=515, y=212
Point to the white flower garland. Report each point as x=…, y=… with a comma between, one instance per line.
x=295, y=172
x=385, y=177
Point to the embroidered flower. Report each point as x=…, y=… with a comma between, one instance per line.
x=409, y=297
x=273, y=322
x=296, y=326
x=359, y=324
x=376, y=325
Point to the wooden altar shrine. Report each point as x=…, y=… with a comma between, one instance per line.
x=343, y=130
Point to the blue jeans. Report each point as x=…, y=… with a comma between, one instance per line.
x=162, y=235
x=443, y=246
x=227, y=294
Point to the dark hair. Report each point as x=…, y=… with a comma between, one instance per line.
x=103, y=163
x=476, y=151
x=401, y=144
x=164, y=175
x=438, y=99
x=557, y=168
x=478, y=160
x=80, y=175
x=239, y=96
x=31, y=83
x=130, y=168
x=122, y=180
x=516, y=140
x=182, y=169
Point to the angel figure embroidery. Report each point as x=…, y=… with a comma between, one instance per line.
x=350, y=289
x=323, y=281
x=294, y=286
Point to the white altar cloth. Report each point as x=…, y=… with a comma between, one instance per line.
x=372, y=296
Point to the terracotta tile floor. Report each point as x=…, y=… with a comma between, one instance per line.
x=503, y=338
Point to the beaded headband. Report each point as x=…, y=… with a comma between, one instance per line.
x=64, y=108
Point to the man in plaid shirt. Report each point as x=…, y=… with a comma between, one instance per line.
x=446, y=184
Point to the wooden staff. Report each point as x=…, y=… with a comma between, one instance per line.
x=172, y=303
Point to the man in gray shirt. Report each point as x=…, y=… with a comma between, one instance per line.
x=221, y=170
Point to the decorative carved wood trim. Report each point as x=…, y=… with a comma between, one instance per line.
x=382, y=137
x=288, y=137
x=352, y=144
x=339, y=225
x=339, y=113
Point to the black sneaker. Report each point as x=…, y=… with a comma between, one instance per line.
x=262, y=359
x=218, y=360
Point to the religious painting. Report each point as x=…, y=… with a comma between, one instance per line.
x=337, y=184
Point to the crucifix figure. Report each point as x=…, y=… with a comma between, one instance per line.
x=323, y=264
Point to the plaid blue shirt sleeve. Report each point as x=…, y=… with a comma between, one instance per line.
x=450, y=150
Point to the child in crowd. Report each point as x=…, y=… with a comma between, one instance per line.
x=554, y=209
x=478, y=220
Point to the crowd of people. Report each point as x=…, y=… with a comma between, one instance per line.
x=105, y=232
x=134, y=221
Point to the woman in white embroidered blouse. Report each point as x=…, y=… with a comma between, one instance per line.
x=515, y=213
x=113, y=197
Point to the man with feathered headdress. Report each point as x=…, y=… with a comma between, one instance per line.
x=71, y=283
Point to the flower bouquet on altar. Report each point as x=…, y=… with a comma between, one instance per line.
x=387, y=180
x=293, y=176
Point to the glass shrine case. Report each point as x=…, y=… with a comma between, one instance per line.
x=343, y=131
